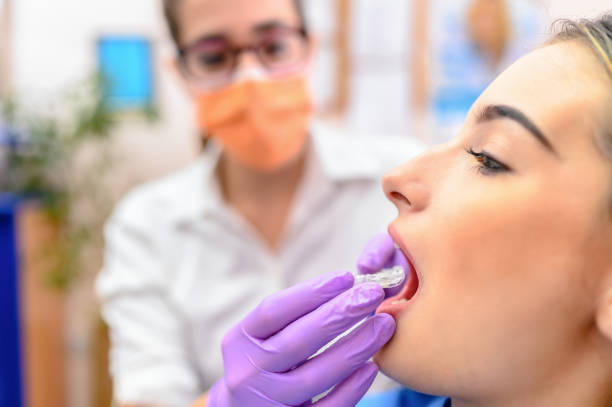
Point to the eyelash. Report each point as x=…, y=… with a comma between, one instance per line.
x=488, y=165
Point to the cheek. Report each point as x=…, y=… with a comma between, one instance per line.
x=497, y=264
x=507, y=265
x=502, y=236
x=505, y=237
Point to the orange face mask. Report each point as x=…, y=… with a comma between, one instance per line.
x=262, y=124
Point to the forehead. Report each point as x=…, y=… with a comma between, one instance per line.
x=234, y=18
x=559, y=87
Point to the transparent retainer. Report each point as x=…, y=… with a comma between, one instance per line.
x=386, y=278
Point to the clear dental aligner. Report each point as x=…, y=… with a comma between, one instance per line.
x=386, y=278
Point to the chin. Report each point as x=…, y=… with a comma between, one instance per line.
x=388, y=360
x=379, y=358
x=396, y=362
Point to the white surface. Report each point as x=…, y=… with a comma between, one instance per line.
x=576, y=9
x=381, y=48
x=321, y=19
x=381, y=27
x=380, y=101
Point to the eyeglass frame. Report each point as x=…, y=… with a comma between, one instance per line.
x=236, y=51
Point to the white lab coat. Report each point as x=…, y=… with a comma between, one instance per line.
x=182, y=268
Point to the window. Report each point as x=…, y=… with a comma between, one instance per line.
x=126, y=63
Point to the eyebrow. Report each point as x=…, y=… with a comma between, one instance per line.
x=494, y=112
x=220, y=36
x=216, y=37
x=269, y=25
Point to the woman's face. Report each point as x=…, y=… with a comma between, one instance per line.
x=215, y=26
x=508, y=228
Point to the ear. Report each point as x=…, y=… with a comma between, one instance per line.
x=604, y=310
x=314, y=45
x=173, y=66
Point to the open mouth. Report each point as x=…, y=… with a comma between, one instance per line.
x=399, y=303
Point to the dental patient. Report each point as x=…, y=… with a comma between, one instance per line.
x=506, y=236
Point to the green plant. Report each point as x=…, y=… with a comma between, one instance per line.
x=43, y=166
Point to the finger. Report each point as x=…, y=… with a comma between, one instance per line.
x=304, y=337
x=376, y=254
x=398, y=259
x=352, y=389
x=280, y=309
x=381, y=252
x=335, y=364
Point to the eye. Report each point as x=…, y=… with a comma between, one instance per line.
x=213, y=61
x=487, y=164
x=275, y=49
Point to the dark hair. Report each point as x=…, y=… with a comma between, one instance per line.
x=171, y=13
x=597, y=35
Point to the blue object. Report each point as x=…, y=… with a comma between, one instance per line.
x=404, y=398
x=10, y=338
x=460, y=72
x=9, y=137
x=126, y=62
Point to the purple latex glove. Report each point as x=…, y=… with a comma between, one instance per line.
x=380, y=252
x=267, y=356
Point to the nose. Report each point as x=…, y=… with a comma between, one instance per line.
x=406, y=186
x=248, y=67
x=247, y=59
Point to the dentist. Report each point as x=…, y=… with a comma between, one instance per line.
x=274, y=200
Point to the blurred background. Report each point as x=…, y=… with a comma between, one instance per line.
x=72, y=142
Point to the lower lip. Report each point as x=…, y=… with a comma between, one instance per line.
x=394, y=306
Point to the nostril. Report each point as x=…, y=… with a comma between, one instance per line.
x=396, y=196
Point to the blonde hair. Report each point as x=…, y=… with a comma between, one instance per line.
x=597, y=35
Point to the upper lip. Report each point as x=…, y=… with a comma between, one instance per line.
x=402, y=246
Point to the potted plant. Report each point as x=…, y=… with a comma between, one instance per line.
x=53, y=159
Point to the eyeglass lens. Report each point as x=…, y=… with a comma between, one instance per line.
x=213, y=59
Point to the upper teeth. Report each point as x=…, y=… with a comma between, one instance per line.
x=400, y=301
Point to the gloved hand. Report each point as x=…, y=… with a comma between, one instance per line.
x=380, y=252
x=266, y=356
